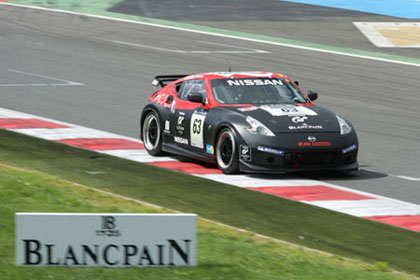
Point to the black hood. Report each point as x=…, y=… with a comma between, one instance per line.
x=288, y=118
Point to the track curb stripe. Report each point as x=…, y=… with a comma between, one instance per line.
x=411, y=222
x=312, y=193
x=15, y=123
x=336, y=198
x=102, y=144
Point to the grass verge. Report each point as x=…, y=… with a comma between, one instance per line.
x=223, y=253
x=266, y=214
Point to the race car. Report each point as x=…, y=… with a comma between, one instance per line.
x=246, y=122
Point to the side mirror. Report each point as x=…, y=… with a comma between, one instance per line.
x=297, y=83
x=312, y=95
x=196, y=97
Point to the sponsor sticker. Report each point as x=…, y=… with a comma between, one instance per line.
x=248, y=109
x=254, y=82
x=305, y=126
x=270, y=150
x=196, y=130
x=314, y=144
x=245, y=152
x=181, y=140
x=288, y=110
x=209, y=149
x=167, y=126
x=349, y=149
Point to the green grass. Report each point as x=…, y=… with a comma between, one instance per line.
x=223, y=253
x=266, y=214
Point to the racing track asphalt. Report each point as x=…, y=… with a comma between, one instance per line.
x=72, y=68
x=308, y=23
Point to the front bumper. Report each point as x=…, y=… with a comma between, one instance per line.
x=294, y=153
x=297, y=161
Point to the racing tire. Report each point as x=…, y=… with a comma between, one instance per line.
x=152, y=134
x=227, y=152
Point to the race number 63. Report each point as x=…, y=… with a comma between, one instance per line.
x=196, y=130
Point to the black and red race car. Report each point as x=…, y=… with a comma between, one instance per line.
x=249, y=122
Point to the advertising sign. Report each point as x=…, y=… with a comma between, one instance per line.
x=111, y=240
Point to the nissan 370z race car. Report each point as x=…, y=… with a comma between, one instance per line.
x=248, y=122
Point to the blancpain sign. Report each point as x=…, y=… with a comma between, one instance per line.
x=112, y=240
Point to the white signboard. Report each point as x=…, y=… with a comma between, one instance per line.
x=112, y=240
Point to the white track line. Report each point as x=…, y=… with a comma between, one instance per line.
x=64, y=82
x=218, y=35
x=408, y=177
x=184, y=51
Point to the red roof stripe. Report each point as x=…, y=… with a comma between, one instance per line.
x=12, y=123
x=311, y=193
x=101, y=144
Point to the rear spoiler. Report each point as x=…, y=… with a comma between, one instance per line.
x=163, y=80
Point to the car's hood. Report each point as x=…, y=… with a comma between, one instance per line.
x=288, y=118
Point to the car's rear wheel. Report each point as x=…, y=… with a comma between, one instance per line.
x=152, y=134
x=227, y=152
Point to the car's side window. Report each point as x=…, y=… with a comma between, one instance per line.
x=189, y=86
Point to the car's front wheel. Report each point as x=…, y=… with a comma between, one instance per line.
x=227, y=152
x=152, y=134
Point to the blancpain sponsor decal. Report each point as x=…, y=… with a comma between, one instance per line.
x=305, y=126
x=181, y=140
x=255, y=82
x=112, y=240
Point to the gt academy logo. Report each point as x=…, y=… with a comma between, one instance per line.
x=245, y=152
x=181, y=140
x=299, y=119
x=180, y=120
x=180, y=124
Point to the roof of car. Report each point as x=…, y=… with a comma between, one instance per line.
x=232, y=75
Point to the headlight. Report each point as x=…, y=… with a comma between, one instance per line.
x=345, y=128
x=257, y=127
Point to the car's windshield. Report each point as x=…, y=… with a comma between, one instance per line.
x=256, y=91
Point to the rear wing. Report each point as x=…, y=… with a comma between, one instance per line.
x=163, y=80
